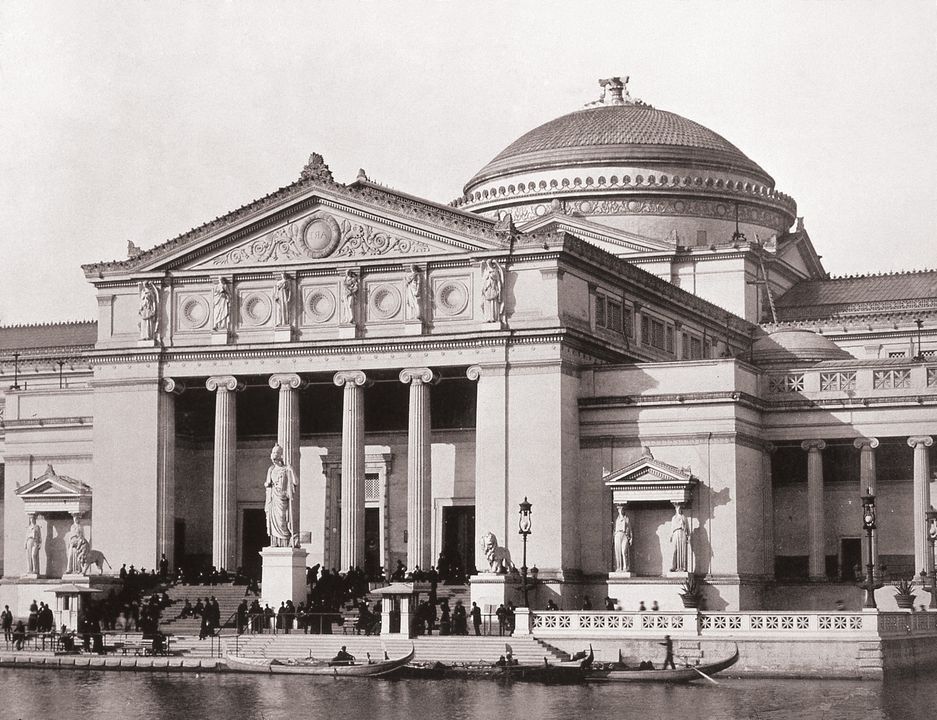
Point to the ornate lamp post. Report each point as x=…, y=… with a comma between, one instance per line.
x=920, y=352
x=523, y=528
x=932, y=534
x=868, y=523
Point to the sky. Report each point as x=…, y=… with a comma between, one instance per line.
x=140, y=120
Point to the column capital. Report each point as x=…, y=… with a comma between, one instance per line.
x=918, y=440
x=224, y=382
x=419, y=376
x=865, y=442
x=350, y=377
x=286, y=381
x=811, y=445
x=171, y=385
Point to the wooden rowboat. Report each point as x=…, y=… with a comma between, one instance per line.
x=317, y=667
x=614, y=672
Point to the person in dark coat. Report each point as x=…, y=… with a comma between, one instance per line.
x=668, y=650
x=477, y=618
x=459, y=620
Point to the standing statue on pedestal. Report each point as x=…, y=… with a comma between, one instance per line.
x=221, y=302
x=149, y=311
x=33, y=543
x=492, y=286
x=77, y=546
x=281, y=297
x=280, y=485
x=622, y=539
x=679, y=533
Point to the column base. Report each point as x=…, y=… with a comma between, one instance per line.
x=283, y=575
x=493, y=590
x=677, y=574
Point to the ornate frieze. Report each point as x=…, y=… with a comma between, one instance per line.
x=306, y=239
x=364, y=241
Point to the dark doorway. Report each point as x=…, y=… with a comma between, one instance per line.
x=253, y=538
x=458, y=539
x=178, y=543
x=372, y=542
x=851, y=553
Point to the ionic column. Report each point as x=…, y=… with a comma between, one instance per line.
x=923, y=549
x=867, y=485
x=815, y=529
x=419, y=467
x=288, y=431
x=352, y=528
x=224, y=488
x=491, y=452
x=165, y=471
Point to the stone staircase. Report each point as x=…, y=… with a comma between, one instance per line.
x=228, y=596
x=449, y=649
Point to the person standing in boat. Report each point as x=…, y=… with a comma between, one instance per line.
x=668, y=650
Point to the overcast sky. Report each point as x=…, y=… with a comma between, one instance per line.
x=140, y=120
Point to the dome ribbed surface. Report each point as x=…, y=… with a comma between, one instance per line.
x=612, y=134
x=795, y=345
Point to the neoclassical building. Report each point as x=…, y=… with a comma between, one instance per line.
x=621, y=309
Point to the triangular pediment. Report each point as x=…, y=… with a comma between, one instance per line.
x=50, y=484
x=650, y=480
x=613, y=240
x=311, y=223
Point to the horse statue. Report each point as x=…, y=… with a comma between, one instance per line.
x=499, y=558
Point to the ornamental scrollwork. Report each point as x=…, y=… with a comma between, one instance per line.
x=363, y=240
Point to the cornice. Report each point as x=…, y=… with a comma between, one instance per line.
x=693, y=398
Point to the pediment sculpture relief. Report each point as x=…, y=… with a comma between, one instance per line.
x=307, y=239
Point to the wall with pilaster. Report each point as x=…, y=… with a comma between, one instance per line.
x=125, y=467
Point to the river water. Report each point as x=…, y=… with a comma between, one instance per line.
x=50, y=694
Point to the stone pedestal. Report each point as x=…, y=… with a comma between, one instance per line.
x=220, y=337
x=283, y=576
x=413, y=328
x=347, y=331
x=677, y=574
x=283, y=334
x=493, y=590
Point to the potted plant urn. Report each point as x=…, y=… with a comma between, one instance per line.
x=903, y=595
x=691, y=592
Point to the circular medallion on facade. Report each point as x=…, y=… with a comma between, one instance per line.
x=255, y=308
x=679, y=206
x=452, y=297
x=385, y=301
x=320, y=305
x=319, y=235
x=585, y=206
x=194, y=312
x=720, y=210
x=540, y=210
x=634, y=205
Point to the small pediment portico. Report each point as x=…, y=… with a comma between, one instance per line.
x=51, y=492
x=650, y=480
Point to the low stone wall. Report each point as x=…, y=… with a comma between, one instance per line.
x=814, y=644
x=109, y=662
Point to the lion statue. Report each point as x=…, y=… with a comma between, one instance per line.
x=499, y=558
x=94, y=558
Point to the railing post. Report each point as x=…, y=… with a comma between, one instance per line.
x=523, y=621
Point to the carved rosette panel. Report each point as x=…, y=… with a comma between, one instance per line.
x=319, y=305
x=193, y=312
x=452, y=297
x=256, y=308
x=384, y=302
x=362, y=241
x=306, y=239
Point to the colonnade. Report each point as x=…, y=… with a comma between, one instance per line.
x=354, y=384
x=923, y=549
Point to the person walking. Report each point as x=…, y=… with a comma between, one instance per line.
x=6, y=619
x=477, y=618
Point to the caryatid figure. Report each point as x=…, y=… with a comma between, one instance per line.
x=33, y=543
x=280, y=485
x=679, y=534
x=622, y=537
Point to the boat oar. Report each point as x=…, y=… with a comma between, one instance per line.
x=704, y=675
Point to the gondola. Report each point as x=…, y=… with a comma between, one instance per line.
x=615, y=672
x=317, y=667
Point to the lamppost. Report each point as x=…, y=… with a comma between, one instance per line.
x=523, y=528
x=932, y=534
x=920, y=353
x=868, y=523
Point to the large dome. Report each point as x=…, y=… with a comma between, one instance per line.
x=623, y=163
x=615, y=134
